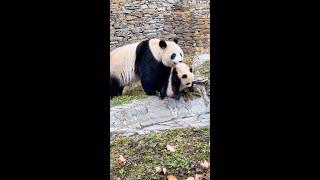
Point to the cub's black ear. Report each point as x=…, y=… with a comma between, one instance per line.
x=162, y=44
x=190, y=69
x=175, y=40
x=184, y=76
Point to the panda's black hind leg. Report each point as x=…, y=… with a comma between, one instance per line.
x=115, y=88
x=120, y=90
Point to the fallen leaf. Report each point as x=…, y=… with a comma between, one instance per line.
x=190, y=178
x=205, y=164
x=121, y=160
x=198, y=177
x=158, y=169
x=170, y=148
x=171, y=177
x=138, y=147
x=164, y=170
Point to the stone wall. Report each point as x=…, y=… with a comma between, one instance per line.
x=136, y=20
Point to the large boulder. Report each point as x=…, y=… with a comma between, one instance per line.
x=201, y=65
x=201, y=69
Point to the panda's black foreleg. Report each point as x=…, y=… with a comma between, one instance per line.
x=148, y=87
x=150, y=91
x=163, y=92
x=177, y=96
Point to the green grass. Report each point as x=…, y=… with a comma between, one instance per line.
x=143, y=153
x=125, y=99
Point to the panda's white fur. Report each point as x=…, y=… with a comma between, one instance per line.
x=181, y=77
x=123, y=61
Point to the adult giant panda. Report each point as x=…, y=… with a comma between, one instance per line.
x=180, y=78
x=149, y=60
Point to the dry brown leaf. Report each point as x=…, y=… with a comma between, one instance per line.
x=171, y=148
x=171, y=177
x=198, y=177
x=158, y=169
x=139, y=146
x=121, y=160
x=164, y=170
x=190, y=178
x=205, y=164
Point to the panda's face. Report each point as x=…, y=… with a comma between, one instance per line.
x=186, y=80
x=185, y=75
x=172, y=54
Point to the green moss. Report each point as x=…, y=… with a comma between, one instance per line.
x=143, y=153
x=124, y=99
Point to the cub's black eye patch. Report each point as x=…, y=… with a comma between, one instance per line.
x=184, y=76
x=180, y=54
x=187, y=84
x=173, y=55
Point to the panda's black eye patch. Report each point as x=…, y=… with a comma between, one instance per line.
x=180, y=54
x=184, y=76
x=187, y=84
x=173, y=55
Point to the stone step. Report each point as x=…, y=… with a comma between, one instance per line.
x=153, y=114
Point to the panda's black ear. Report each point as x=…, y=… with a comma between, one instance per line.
x=190, y=69
x=162, y=44
x=184, y=76
x=175, y=40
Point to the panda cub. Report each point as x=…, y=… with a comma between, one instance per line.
x=149, y=61
x=181, y=77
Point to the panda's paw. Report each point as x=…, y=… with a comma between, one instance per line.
x=177, y=97
x=162, y=96
x=151, y=94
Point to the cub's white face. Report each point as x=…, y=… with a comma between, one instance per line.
x=186, y=81
x=185, y=75
x=172, y=54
